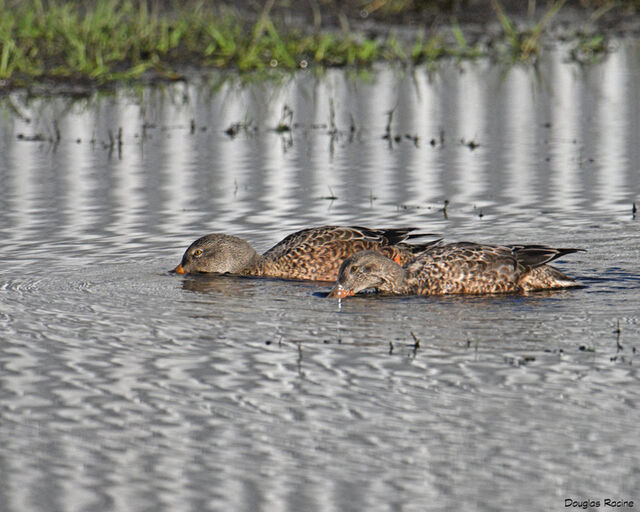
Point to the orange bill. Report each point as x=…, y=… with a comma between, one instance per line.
x=340, y=292
x=179, y=269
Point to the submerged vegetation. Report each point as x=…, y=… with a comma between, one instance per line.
x=118, y=39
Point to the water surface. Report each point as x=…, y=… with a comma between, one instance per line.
x=124, y=387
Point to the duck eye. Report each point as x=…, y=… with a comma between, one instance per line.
x=197, y=253
x=354, y=268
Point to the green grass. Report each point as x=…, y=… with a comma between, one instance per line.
x=109, y=40
x=589, y=48
x=525, y=44
x=119, y=39
x=115, y=39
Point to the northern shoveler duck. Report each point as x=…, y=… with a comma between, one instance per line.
x=313, y=254
x=462, y=267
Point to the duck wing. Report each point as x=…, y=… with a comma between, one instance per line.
x=463, y=267
x=316, y=253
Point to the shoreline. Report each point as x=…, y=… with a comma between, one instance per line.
x=111, y=41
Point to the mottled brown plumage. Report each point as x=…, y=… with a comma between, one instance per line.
x=462, y=267
x=310, y=254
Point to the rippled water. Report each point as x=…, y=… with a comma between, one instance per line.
x=124, y=387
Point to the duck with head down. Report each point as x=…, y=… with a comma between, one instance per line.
x=458, y=268
x=220, y=254
x=313, y=254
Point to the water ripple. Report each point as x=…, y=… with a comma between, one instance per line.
x=127, y=387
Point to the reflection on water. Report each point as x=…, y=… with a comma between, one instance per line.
x=557, y=138
x=126, y=387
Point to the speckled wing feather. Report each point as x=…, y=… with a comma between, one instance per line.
x=463, y=268
x=317, y=253
x=467, y=267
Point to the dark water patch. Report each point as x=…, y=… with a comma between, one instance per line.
x=613, y=280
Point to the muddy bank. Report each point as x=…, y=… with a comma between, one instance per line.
x=383, y=16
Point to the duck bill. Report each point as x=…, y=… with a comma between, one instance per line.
x=340, y=292
x=179, y=269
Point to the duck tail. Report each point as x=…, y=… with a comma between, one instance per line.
x=537, y=255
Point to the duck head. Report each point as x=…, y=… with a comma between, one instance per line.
x=217, y=253
x=366, y=269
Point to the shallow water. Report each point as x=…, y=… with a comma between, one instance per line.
x=124, y=387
